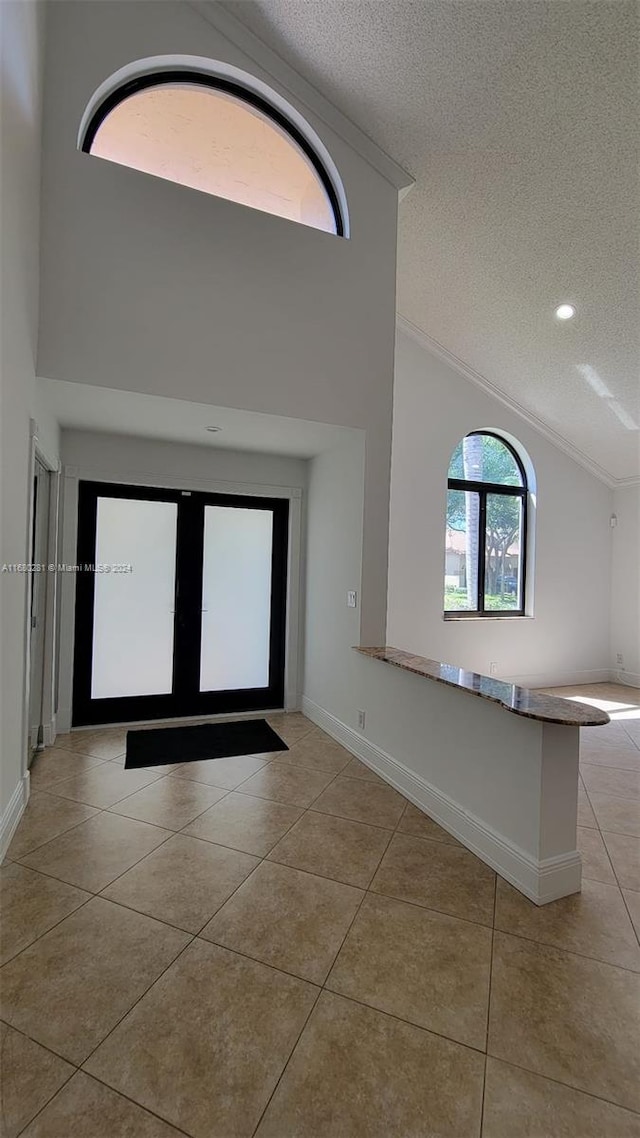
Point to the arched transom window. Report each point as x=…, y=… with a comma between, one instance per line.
x=486, y=529
x=215, y=136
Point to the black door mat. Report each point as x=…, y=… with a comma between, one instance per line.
x=203, y=741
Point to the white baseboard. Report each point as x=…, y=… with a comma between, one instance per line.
x=630, y=679
x=49, y=732
x=553, y=679
x=540, y=881
x=13, y=813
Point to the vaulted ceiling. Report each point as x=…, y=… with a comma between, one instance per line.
x=518, y=121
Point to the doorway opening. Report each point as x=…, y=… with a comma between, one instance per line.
x=180, y=603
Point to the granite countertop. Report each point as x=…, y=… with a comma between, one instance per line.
x=519, y=701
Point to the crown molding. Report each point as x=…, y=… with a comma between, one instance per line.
x=300, y=91
x=529, y=417
x=623, y=483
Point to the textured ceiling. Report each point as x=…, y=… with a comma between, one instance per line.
x=518, y=121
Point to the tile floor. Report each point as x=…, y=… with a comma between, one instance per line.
x=283, y=946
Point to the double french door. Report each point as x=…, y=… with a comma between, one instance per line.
x=180, y=603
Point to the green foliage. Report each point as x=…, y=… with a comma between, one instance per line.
x=497, y=462
x=483, y=458
x=455, y=600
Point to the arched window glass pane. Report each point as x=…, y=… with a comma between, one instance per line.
x=215, y=142
x=485, y=458
x=485, y=533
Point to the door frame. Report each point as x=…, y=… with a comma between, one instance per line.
x=52, y=599
x=73, y=475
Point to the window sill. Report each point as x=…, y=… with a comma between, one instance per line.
x=487, y=616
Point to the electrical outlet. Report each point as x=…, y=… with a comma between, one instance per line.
x=620, y=660
x=361, y=718
x=493, y=668
x=352, y=599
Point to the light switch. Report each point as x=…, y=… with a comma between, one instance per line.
x=352, y=599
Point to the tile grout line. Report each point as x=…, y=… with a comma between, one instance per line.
x=54, y=926
x=16, y=860
x=568, y=1086
x=45, y=1046
x=323, y=988
x=486, y=1040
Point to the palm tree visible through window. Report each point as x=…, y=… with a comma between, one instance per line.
x=485, y=554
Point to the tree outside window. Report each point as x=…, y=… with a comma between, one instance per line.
x=486, y=528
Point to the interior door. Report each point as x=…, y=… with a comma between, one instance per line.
x=180, y=603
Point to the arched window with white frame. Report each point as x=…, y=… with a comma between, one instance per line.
x=486, y=529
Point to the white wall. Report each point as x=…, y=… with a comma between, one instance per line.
x=567, y=637
x=174, y=292
x=127, y=459
x=22, y=54
x=334, y=566
x=126, y=456
x=504, y=785
x=625, y=585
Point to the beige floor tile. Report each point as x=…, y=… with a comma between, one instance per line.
x=291, y=727
x=624, y=852
x=281, y=782
x=169, y=802
x=45, y=817
x=618, y=815
x=357, y=1073
x=632, y=728
x=183, y=882
x=93, y=854
x=29, y=1077
x=356, y=769
x=293, y=920
x=611, y=735
x=421, y=966
x=161, y=768
x=625, y=756
x=569, y=1018
x=104, y=785
x=31, y=904
x=586, y=817
x=362, y=801
x=245, y=823
x=610, y=780
x=206, y=1045
x=593, y=923
x=318, y=752
x=596, y=739
x=438, y=876
x=88, y=1109
x=54, y=765
x=518, y=1104
x=73, y=985
x=633, y=904
x=595, y=859
x=419, y=825
x=333, y=847
x=107, y=744
x=225, y=773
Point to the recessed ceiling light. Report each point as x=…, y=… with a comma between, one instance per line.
x=565, y=312
x=213, y=429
